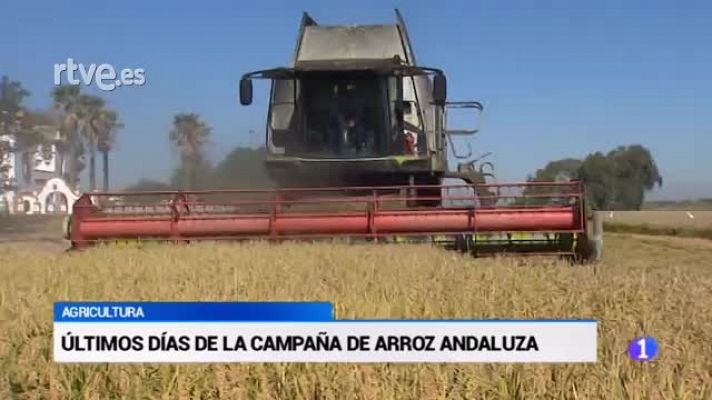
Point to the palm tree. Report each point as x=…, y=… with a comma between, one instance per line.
x=92, y=115
x=11, y=95
x=189, y=135
x=67, y=102
x=106, y=124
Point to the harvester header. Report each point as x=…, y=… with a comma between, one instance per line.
x=551, y=221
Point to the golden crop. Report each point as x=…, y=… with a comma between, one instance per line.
x=649, y=286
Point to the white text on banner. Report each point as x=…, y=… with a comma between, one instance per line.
x=332, y=342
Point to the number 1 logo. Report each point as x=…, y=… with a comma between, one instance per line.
x=643, y=349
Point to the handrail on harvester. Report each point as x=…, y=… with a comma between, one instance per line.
x=553, y=208
x=576, y=185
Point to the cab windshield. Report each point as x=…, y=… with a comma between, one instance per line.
x=333, y=115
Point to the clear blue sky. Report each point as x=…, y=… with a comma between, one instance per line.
x=558, y=78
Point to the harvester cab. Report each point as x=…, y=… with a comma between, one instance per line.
x=354, y=109
x=357, y=141
x=351, y=110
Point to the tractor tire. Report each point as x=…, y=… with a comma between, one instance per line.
x=589, y=248
x=67, y=227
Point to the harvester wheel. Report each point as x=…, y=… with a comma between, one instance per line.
x=589, y=247
x=67, y=227
x=464, y=244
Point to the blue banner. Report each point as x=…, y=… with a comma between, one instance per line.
x=192, y=311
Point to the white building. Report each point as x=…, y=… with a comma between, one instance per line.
x=32, y=184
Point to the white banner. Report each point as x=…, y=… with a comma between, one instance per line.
x=332, y=342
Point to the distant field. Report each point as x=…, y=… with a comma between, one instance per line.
x=700, y=205
x=644, y=285
x=671, y=223
x=21, y=227
x=39, y=232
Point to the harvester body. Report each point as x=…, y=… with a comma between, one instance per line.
x=357, y=141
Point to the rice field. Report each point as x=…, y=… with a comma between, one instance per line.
x=679, y=219
x=645, y=285
x=684, y=223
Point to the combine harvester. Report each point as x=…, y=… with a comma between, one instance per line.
x=357, y=141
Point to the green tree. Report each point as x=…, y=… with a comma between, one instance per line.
x=90, y=109
x=190, y=136
x=67, y=100
x=36, y=133
x=558, y=170
x=600, y=181
x=11, y=114
x=11, y=96
x=4, y=149
x=242, y=168
x=29, y=129
x=555, y=171
x=149, y=185
x=108, y=125
x=614, y=181
x=193, y=175
x=99, y=125
x=636, y=173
